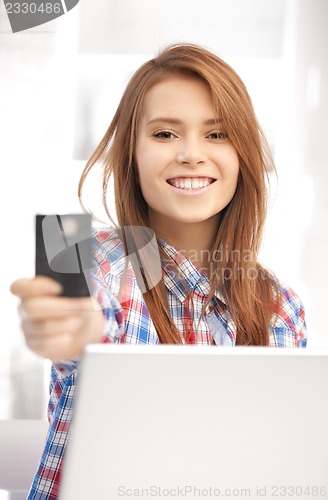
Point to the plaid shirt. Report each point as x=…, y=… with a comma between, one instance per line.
x=129, y=322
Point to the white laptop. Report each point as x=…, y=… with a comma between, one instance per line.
x=194, y=421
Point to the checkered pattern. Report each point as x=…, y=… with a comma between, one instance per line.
x=129, y=322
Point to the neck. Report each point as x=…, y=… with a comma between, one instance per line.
x=193, y=240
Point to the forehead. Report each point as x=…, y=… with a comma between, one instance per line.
x=178, y=94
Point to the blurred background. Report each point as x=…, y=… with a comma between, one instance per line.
x=59, y=86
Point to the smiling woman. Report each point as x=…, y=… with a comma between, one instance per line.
x=186, y=114
x=189, y=164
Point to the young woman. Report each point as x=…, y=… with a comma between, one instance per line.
x=190, y=166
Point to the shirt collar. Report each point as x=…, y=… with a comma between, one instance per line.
x=194, y=278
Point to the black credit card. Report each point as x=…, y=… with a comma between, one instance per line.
x=63, y=251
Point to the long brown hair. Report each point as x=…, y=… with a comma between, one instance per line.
x=249, y=290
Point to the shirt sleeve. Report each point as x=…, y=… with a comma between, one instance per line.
x=112, y=309
x=289, y=325
x=300, y=328
x=113, y=331
x=62, y=389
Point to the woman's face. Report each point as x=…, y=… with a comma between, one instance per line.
x=188, y=169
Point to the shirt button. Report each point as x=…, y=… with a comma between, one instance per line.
x=209, y=308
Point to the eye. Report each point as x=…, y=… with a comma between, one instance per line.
x=218, y=135
x=164, y=134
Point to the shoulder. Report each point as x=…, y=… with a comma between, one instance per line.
x=112, y=270
x=288, y=325
x=108, y=250
x=107, y=240
x=108, y=264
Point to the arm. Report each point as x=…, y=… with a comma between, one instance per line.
x=59, y=328
x=288, y=327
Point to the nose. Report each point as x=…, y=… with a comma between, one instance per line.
x=191, y=153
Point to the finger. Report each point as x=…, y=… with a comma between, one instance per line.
x=40, y=285
x=57, y=347
x=44, y=308
x=48, y=328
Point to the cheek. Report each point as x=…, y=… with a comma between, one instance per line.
x=228, y=167
x=144, y=171
x=150, y=162
x=236, y=171
x=232, y=164
x=144, y=161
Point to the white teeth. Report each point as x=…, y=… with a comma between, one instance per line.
x=190, y=183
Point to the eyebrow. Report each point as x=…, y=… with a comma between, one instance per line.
x=175, y=121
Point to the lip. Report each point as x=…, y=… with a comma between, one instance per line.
x=195, y=176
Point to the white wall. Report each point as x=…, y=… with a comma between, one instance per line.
x=37, y=106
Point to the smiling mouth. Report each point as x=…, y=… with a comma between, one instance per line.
x=190, y=183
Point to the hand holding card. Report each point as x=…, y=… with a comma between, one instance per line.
x=58, y=321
